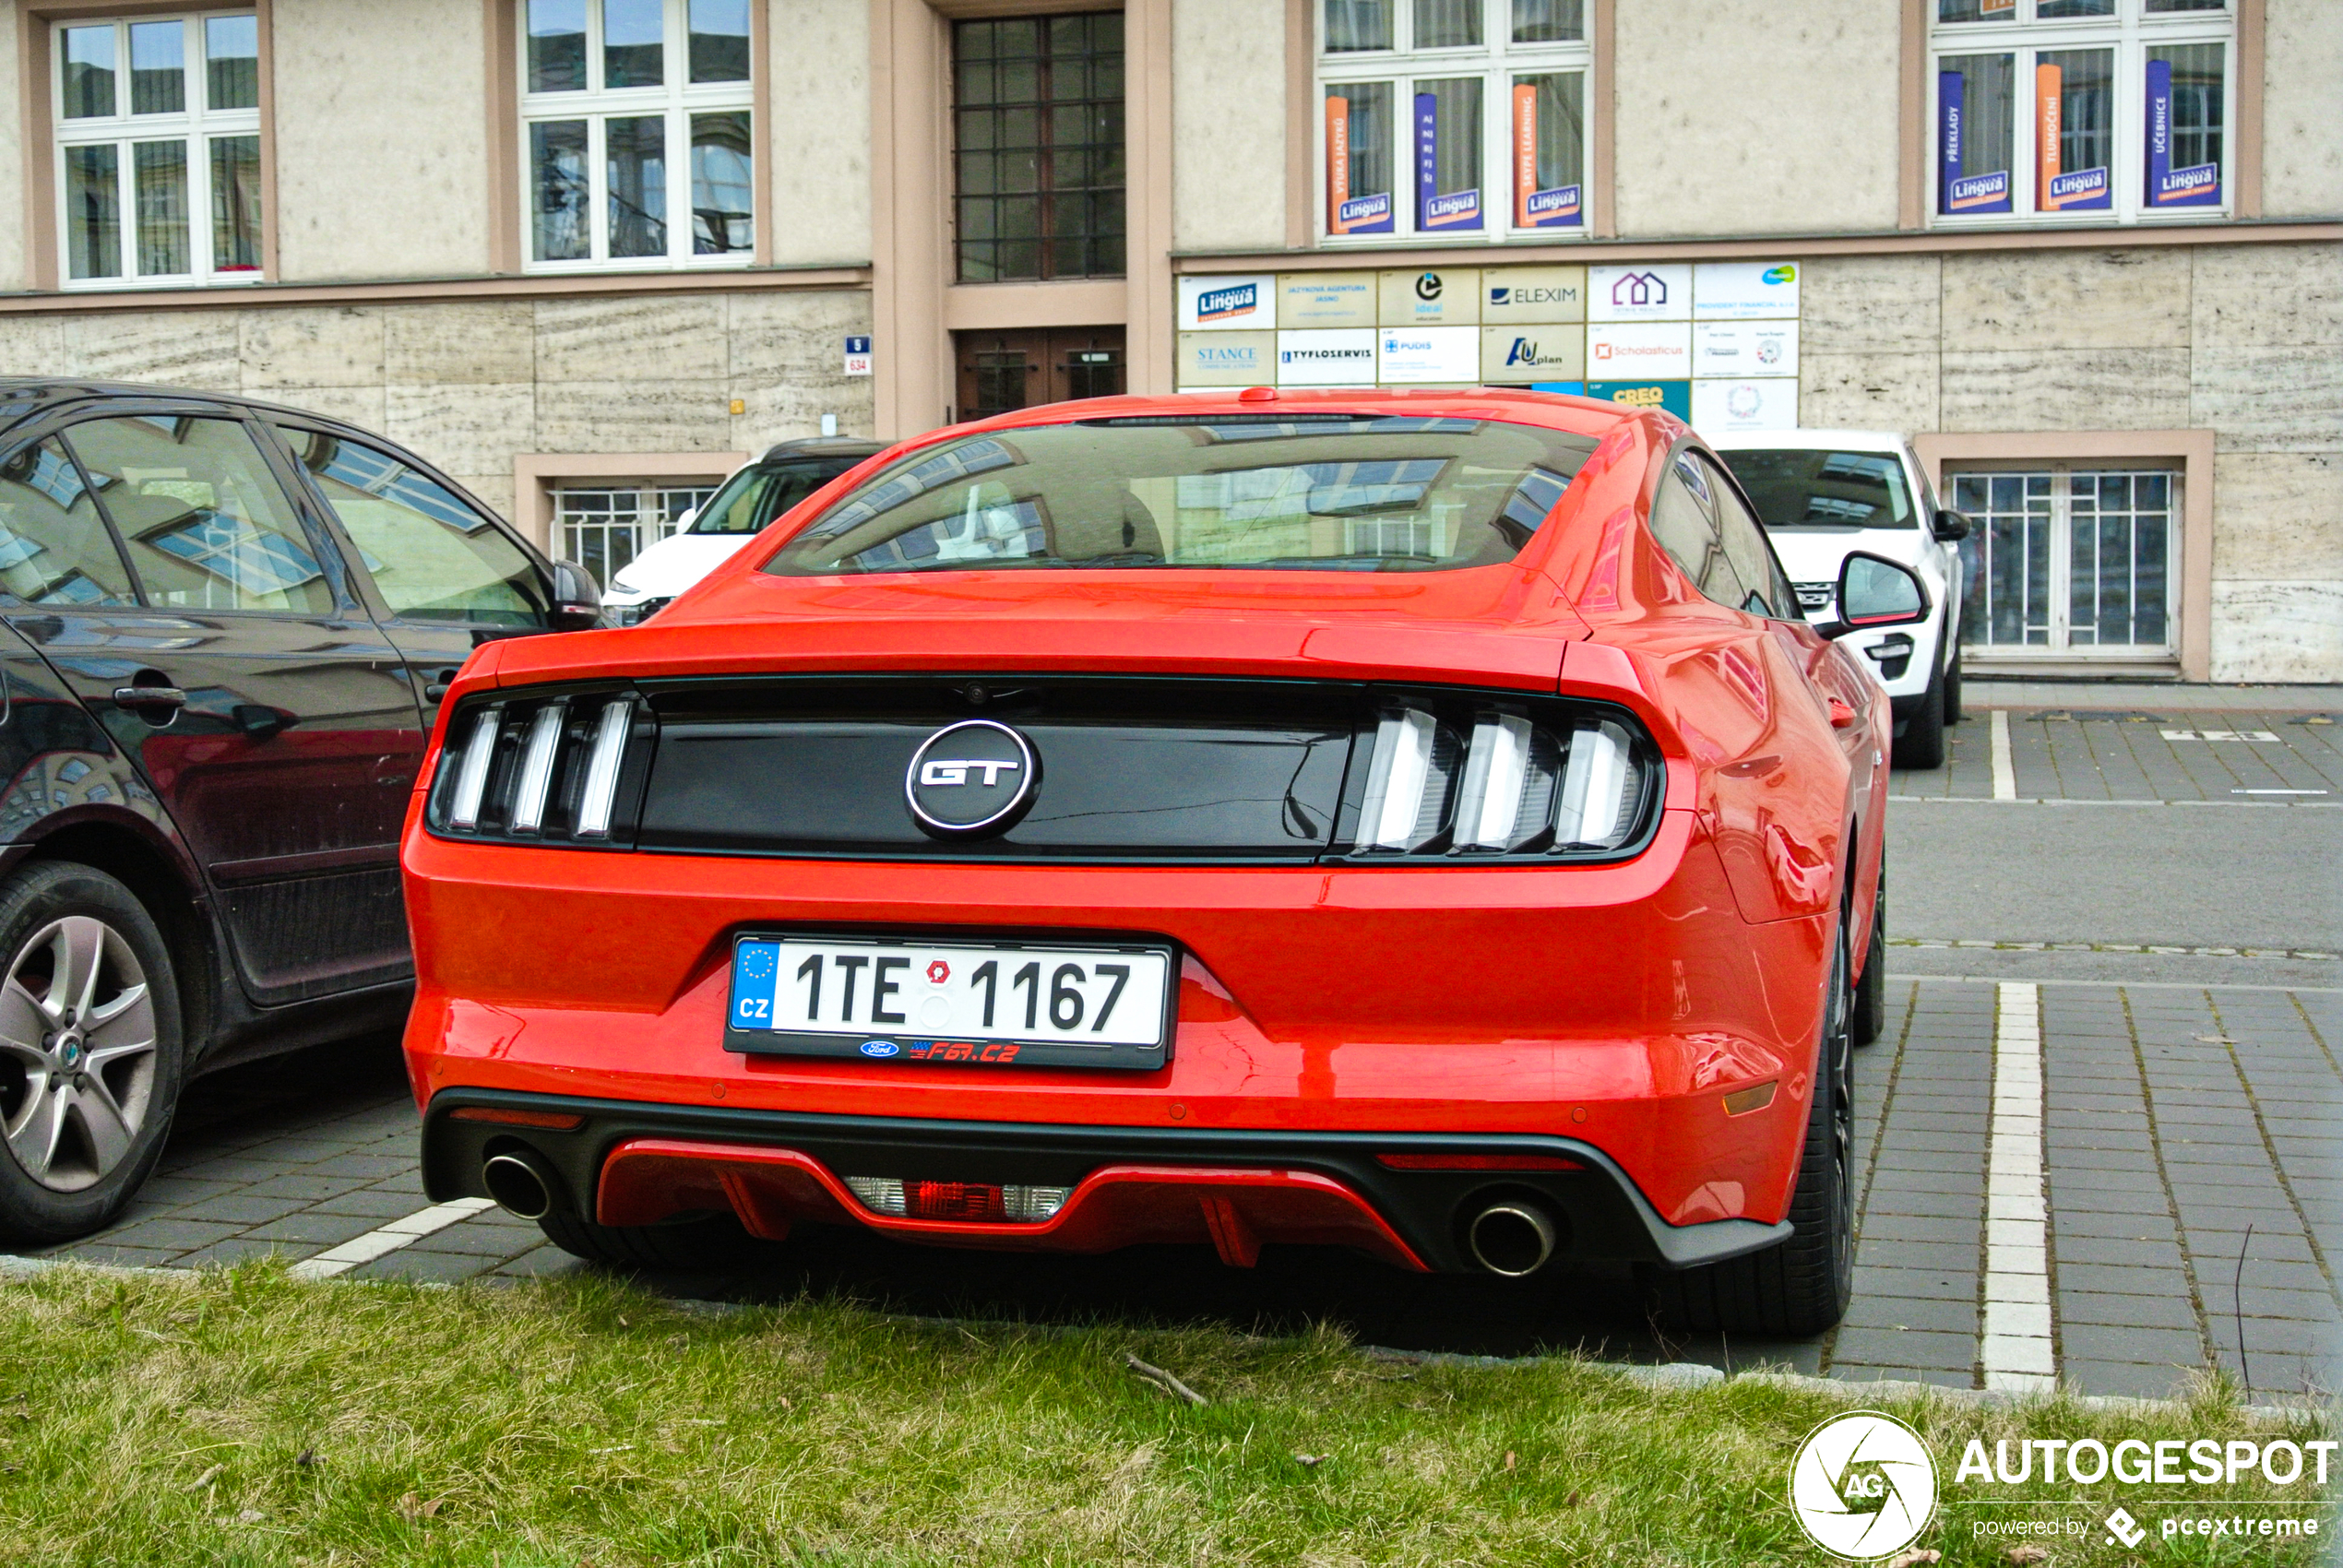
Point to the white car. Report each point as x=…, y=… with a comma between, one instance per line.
x=752, y=498
x=1822, y=493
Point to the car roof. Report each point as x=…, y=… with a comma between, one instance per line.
x=852, y=447
x=1836, y=440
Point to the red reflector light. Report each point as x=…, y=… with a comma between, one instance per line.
x=953, y=1200
x=556, y=1121
x=1477, y=1162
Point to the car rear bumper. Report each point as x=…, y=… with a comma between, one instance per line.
x=631, y=1163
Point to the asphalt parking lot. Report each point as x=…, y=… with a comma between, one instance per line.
x=2097, y=1143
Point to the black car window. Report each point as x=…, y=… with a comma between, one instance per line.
x=433, y=557
x=55, y=549
x=1810, y=487
x=1684, y=520
x=206, y=524
x=757, y=495
x=1767, y=586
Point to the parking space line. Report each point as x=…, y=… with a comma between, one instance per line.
x=2017, y=1350
x=404, y=1232
x=2004, y=771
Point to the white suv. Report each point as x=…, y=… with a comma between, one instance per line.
x=1823, y=492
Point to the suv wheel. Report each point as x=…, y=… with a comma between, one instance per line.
x=1803, y=1285
x=90, y=1058
x=1951, y=686
x=1923, y=744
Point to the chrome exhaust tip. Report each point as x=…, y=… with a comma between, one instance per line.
x=1511, y=1238
x=518, y=1184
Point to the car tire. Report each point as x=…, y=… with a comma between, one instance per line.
x=1802, y=1285
x=715, y=1241
x=1922, y=745
x=1951, y=686
x=91, y=1056
x=1870, y=1018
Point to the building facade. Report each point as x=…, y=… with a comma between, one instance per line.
x=588, y=254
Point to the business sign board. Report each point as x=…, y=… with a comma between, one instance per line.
x=2058, y=189
x=1520, y=356
x=1227, y=359
x=1675, y=397
x=1326, y=356
x=1521, y=295
x=2198, y=184
x=1655, y=350
x=1327, y=299
x=1722, y=403
x=1963, y=190
x=1418, y=355
x=1639, y=293
x=1744, y=348
x=1744, y=290
x=1229, y=305
x=1439, y=211
x=1446, y=296
x=1557, y=207
x=1350, y=211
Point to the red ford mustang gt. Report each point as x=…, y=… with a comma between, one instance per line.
x=1420, y=822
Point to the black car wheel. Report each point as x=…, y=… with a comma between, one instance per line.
x=1922, y=745
x=1802, y=1285
x=90, y=1058
x=1951, y=686
x=1870, y=991
x=716, y=1242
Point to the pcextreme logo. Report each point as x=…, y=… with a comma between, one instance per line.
x=1863, y=1485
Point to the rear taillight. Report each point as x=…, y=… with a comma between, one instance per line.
x=1462, y=777
x=979, y=1201
x=563, y=768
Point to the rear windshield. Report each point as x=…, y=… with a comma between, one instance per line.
x=1340, y=493
x=1801, y=487
x=762, y=491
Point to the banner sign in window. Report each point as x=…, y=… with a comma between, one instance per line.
x=1370, y=213
x=2197, y=185
x=2057, y=189
x=1675, y=397
x=1963, y=192
x=1535, y=208
x=1436, y=210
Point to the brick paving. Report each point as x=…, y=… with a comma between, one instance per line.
x=2174, y=1118
x=2084, y=753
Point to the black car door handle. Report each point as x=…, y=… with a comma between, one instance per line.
x=150, y=696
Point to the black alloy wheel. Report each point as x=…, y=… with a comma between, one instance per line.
x=1922, y=745
x=90, y=1053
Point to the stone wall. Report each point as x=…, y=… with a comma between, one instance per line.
x=2245, y=340
x=1229, y=125
x=470, y=384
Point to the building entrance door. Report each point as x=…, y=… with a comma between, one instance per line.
x=1001, y=372
x=2071, y=561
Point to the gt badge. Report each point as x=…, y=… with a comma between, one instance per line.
x=971, y=778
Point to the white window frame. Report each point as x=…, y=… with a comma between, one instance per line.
x=1497, y=60
x=195, y=126
x=677, y=100
x=2130, y=33
x=655, y=515
x=2058, y=580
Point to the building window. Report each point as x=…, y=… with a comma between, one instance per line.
x=604, y=528
x=2081, y=110
x=1038, y=146
x=615, y=93
x=1484, y=101
x=2070, y=561
x=158, y=149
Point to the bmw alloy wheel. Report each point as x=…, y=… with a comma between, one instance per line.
x=78, y=1039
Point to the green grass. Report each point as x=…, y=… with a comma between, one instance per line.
x=244, y=1418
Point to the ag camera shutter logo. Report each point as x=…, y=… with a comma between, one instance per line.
x=1863, y=1485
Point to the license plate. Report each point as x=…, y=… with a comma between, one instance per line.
x=991, y=1004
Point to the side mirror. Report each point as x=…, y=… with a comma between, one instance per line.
x=577, y=602
x=1873, y=592
x=685, y=519
x=1950, y=526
